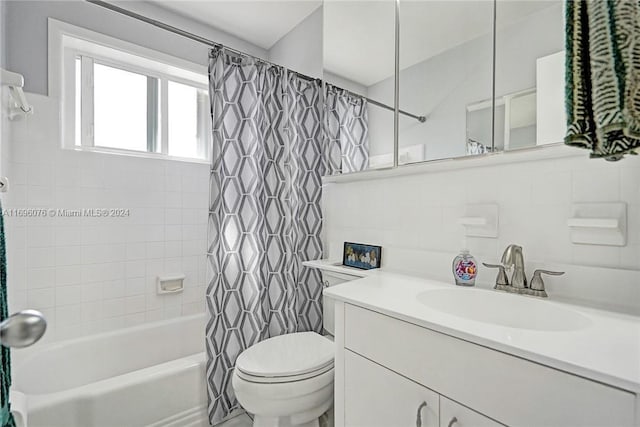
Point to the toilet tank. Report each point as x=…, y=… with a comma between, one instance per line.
x=332, y=278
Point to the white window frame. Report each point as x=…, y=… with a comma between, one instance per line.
x=68, y=42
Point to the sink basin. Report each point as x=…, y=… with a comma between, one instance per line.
x=514, y=311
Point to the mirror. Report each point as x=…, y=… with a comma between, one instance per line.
x=529, y=73
x=359, y=66
x=446, y=75
x=449, y=104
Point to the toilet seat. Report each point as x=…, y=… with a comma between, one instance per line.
x=286, y=358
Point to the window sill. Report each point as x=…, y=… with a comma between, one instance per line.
x=140, y=154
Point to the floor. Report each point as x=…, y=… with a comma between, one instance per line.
x=241, y=420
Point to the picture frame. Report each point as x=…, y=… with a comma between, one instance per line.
x=361, y=256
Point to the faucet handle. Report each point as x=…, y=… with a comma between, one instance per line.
x=537, y=284
x=502, y=278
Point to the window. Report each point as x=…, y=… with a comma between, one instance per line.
x=121, y=97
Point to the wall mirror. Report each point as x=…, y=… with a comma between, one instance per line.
x=529, y=73
x=358, y=71
x=467, y=85
x=446, y=76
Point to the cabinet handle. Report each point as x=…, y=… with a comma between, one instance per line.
x=419, y=414
x=453, y=421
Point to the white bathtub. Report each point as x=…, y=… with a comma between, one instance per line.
x=149, y=375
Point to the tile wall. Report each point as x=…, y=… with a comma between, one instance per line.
x=89, y=275
x=415, y=219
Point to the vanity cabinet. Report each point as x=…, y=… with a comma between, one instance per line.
x=390, y=366
x=453, y=414
x=378, y=397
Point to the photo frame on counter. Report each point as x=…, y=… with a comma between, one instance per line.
x=362, y=256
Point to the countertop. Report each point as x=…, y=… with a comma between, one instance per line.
x=607, y=350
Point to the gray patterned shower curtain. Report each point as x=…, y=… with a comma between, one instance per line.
x=346, y=131
x=264, y=213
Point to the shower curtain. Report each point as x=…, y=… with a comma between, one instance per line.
x=264, y=214
x=346, y=131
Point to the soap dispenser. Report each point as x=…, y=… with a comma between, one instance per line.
x=465, y=269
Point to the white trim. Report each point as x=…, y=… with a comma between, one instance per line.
x=86, y=102
x=550, y=151
x=58, y=29
x=164, y=114
x=68, y=42
x=133, y=153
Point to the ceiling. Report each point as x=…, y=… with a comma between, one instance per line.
x=359, y=34
x=260, y=22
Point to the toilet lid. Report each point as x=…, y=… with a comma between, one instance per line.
x=287, y=355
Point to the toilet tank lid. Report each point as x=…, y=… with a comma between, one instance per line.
x=287, y=355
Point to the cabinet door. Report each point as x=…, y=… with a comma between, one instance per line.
x=378, y=397
x=453, y=414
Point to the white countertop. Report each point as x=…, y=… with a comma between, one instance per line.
x=608, y=350
x=337, y=267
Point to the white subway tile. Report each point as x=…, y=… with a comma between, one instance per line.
x=155, y=250
x=172, y=216
x=113, y=307
x=113, y=289
x=92, y=291
x=173, y=249
x=41, y=257
x=92, y=311
x=67, y=295
x=598, y=184
x=135, y=304
x=41, y=298
x=136, y=251
x=135, y=269
x=135, y=286
x=193, y=308
x=68, y=315
x=68, y=255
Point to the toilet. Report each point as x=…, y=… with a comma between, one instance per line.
x=288, y=380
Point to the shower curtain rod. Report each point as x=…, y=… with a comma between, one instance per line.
x=211, y=43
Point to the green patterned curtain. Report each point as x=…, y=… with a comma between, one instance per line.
x=5, y=356
x=603, y=76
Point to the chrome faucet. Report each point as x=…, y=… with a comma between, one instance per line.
x=513, y=259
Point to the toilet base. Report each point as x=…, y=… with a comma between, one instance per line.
x=321, y=417
x=280, y=422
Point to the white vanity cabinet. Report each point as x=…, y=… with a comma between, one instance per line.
x=378, y=397
x=453, y=414
x=386, y=368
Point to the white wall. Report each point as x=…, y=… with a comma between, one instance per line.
x=414, y=218
x=345, y=83
x=94, y=274
x=27, y=34
x=301, y=48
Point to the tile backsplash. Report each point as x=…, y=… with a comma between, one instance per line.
x=415, y=217
x=90, y=274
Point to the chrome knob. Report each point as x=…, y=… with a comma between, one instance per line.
x=502, y=278
x=22, y=329
x=537, y=284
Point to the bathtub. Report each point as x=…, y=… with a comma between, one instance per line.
x=149, y=375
